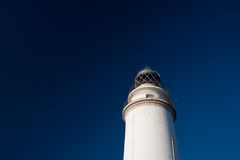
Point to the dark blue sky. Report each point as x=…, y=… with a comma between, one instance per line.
x=66, y=68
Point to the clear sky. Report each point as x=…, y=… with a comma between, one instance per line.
x=67, y=66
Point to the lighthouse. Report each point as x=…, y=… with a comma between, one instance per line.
x=149, y=115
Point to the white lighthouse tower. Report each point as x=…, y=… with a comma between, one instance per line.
x=149, y=116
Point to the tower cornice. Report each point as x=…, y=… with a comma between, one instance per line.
x=163, y=103
x=148, y=93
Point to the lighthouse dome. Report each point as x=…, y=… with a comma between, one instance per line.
x=147, y=75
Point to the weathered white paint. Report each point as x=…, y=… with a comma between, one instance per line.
x=149, y=132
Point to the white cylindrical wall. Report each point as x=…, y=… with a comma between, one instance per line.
x=149, y=133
